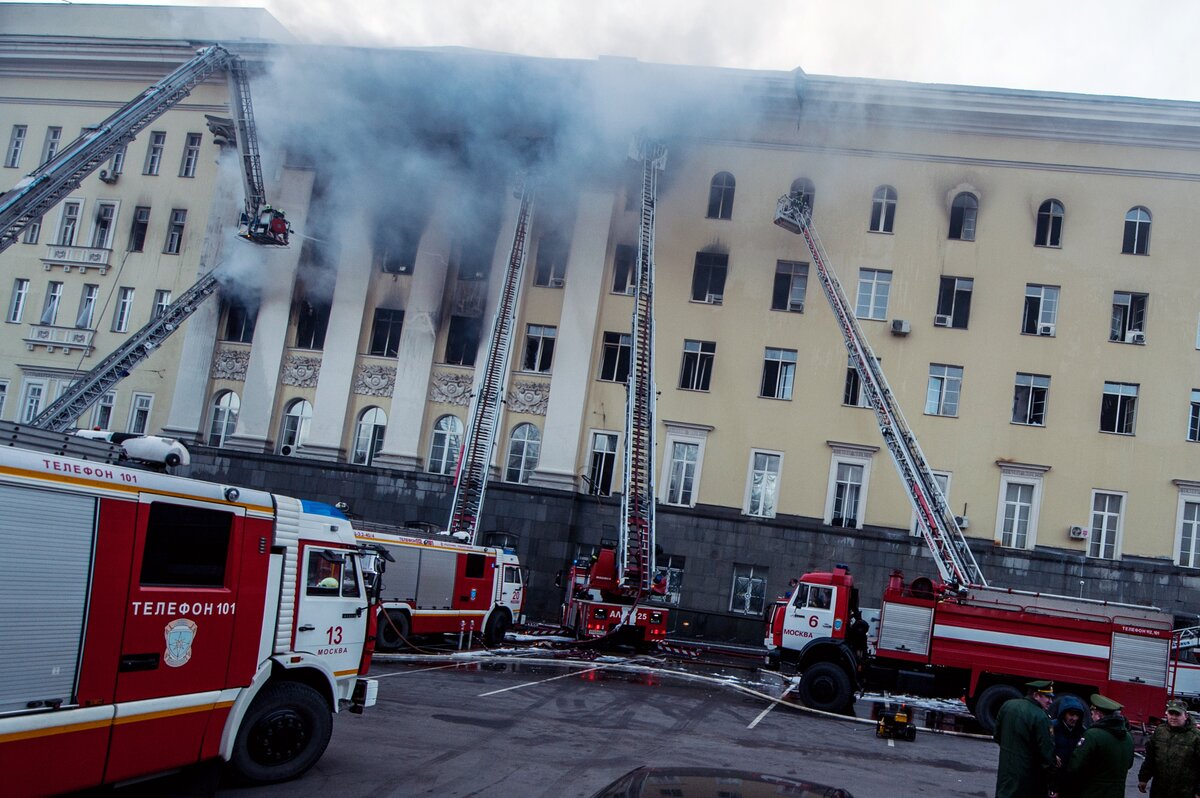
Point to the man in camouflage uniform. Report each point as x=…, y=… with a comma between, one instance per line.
x=1101, y=761
x=1172, y=761
x=1026, y=748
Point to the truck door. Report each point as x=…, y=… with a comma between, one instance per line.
x=331, y=616
x=512, y=593
x=178, y=634
x=812, y=612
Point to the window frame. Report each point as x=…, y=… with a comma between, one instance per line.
x=1048, y=229
x=1122, y=416
x=1042, y=300
x=449, y=441
x=789, y=292
x=550, y=262
x=762, y=508
x=883, y=210
x=1189, y=498
x=527, y=458
x=34, y=394
x=369, y=435
x=1034, y=383
x=87, y=306
x=1193, y=433
x=294, y=426
x=624, y=268
x=173, y=245
x=103, y=226
x=721, y=191
x=710, y=271
x=602, y=463
x=224, y=408
x=156, y=144
x=462, y=340
x=783, y=375
x=696, y=367
x=616, y=354
x=857, y=456
x=139, y=228
x=191, y=155
x=51, y=144
x=18, y=300
x=389, y=322
x=944, y=382
x=52, y=304
x=954, y=301
x=141, y=405
x=1098, y=539
x=1136, y=238
x=964, y=216
x=680, y=435
x=538, y=356
x=1129, y=309
x=874, y=294
x=16, y=146
x=69, y=216
x=123, y=309
x=1007, y=537
x=755, y=593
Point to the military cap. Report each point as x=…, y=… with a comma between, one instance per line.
x=1104, y=704
x=1175, y=705
x=1041, y=686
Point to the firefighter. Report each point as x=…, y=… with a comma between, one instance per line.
x=1026, y=748
x=279, y=228
x=1105, y=755
x=1172, y=757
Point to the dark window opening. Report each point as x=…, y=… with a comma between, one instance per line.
x=240, y=318
x=964, y=212
x=385, y=332
x=720, y=196
x=623, y=266
x=1049, y=224
x=475, y=566
x=312, y=322
x=186, y=546
x=954, y=302
x=614, y=364
x=551, y=267
x=708, y=277
x=462, y=340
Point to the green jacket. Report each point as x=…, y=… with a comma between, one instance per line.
x=1101, y=761
x=1026, y=749
x=1172, y=764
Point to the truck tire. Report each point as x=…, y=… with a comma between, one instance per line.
x=826, y=687
x=392, y=635
x=987, y=706
x=497, y=626
x=282, y=735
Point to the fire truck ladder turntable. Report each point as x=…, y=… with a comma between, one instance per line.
x=636, y=543
x=471, y=483
x=955, y=562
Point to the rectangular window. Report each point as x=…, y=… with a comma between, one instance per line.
x=122, y=311
x=3, y=397
x=50, y=147
x=162, y=301
x=462, y=340
x=16, y=145
x=708, y=277
x=1018, y=515
x=873, y=289
x=54, y=292
x=762, y=490
x=614, y=362
x=333, y=574
x=696, y=372
x=175, y=232
x=791, y=285
x=102, y=412
x=154, y=152
x=68, y=223
x=186, y=546
x=1189, y=535
x=395, y=247
x=624, y=263
x=1194, y=417
x=779, y=373
x=847, y=495
x=1041, y=310
x=139, y=413
x=1128, y=317
x=668, y=568
x=1106, y=525
x=102, y=225
x=603, y=460
x=87, y=307
x=385, y=332
x=853, y=394
x=16, y=306
x=33, y=231
x=749, y=590
x=1118, y=408
x=539, y=348
x=312, y=322
x=240, y=318
x=1029, y=399
x=32, y=396
x=191, y=155
x=137, y=232
x=550, y=268
x=945, y=385
x=681, y=485
x=954, y=302
x=117, y=165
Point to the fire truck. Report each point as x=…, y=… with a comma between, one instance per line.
x=152, y=622
x=605, y=594
x=953, y=636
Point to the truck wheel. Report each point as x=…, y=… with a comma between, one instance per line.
x=283, y=735
x=825, y=686
x=394, y=634
x=989, y=702
x=497, y=627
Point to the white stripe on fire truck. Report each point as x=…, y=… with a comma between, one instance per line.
x=1046, y=644
x=81, y=719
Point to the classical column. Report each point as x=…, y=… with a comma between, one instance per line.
x=277, y=267
x=572, y=373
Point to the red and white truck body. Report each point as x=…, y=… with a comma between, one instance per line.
x=439, y=586
x=151, y=622
x=594, y=606
x=981, y=644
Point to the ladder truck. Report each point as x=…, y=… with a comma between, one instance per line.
x=41, y=190
x=604, y=596
x=953, y=636
x=440, y=586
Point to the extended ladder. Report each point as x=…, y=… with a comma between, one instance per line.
x=955, y=561
x=471, y=482
x=636, y=543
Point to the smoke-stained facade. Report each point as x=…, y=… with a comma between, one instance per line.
x=1021, y=262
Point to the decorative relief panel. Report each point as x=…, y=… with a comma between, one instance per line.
x=451, y=388
x=230, y=364
x=375, y=380
x=529, y=397
x=301, y=371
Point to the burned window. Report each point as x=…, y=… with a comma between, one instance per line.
x=550, y=268
x=954, y=302
x=964, y=213
x=462, y=340
x=312, y=322
x=624, y=263
x=395, y=247
x=385, y=332
x=241, y=315
x=708, y=277
x=185, y=546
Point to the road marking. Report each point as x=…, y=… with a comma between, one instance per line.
x=542, y=681
x=419, y=670
x=891, y=743
x=776, y=702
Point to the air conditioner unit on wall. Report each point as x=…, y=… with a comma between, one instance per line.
x=1046, y=329
x=901, y=327
x=962, y=521
x=941, y=321
x=1077, y=533
x=715, y=299
x=1135, y=337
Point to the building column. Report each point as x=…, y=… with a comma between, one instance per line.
x=277, y=268
x=325, y=432
x=572, y=370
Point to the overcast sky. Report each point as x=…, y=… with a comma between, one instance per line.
x=1143, y=49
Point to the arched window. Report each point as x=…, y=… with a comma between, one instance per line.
x=1137, y=232
x=223, y=419
x=444, y=445
x=720, y=196
x=368, y=435
x=524, y=447
x=964, y=212
x=1049, y=224
x=294, y=431
x=883, y=209
x=804, y=187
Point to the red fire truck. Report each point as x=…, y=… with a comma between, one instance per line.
x=152, y=622
x=443, y=587
x=594, y=606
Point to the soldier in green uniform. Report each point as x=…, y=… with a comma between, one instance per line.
x=1172, y=764
x=1101, y=761
x=1026, y=747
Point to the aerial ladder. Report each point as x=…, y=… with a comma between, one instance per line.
x=471, y=482
x=955, y=562
x=36, y=194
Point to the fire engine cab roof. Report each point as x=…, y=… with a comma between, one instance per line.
x=839, y=577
